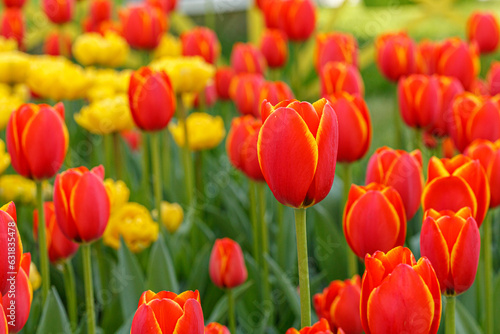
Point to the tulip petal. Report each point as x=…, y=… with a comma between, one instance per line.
x=167, y=313
x=144, y=321
x=346, y=310
x=485, y=123
x=436, y=169
x=192, y=321
x=353, y=130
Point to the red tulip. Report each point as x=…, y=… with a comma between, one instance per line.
x=426, y=54
x=59, y=11
x=488, y=154
x=341, y=77
x=4, y=328
x=339, y=304
x=451, y=241
x=297, y=19
x=462, y=177
x=168, y=313
x=449, y=88
x=13, y=25
x=483, y=28
x=274, y=47
x=275, y=92
x=151, y=98
x=241, y=146
x=246, y=58
x=81, y=203
x=164, y=5
x=271, y=11
x=395, y=55
x=11, y=246
x=400, y=170
x=100, y=11
x=473, y=118
x=53, y=43
x=355, y=128
x=374, y=219
x=419, y=100
x=216, y=328
x=209, y=96
x=227, y=266
x=335, y=47
x=60, y=248
x=143, y=25
x=455, y=58
x=297, y=149
x=321, y=327
x=245, y=92
x=399, y=294
x=37, y=140
x=14, y=3
x=202, y=42
x=223, y=77
x=493, y=78
x=132, y=138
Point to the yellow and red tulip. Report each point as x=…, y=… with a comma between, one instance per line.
x=100, y=11
x=247, y=58
x=203, y=42
x=10, y=243
x=339, y=77
x=335, y=47
x=12, y=25
x=53, y=43
x=297, y=19
x=227, y=267
x=59, y=11
x=275, y=92
x=271, y=10
x=321, y=327
x=143, y=25
x=449, y=87
x=484, y=30
x=223, y=78
x=245, y=92
x=395, y=55
x=425, y=57
x=274, y=47
x=216, y=328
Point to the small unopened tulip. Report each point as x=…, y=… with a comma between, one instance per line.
x=336, y=47
x=275, y=92
x=245, y=92
x=247, y=58
x=143, y=26
x=339, y=77
x=202, y=42
x=395, y=55
x=223, y=78
x=216, y=328
x=53, y=43
x=12, y=25
x=59, y=11
x=483, y=28
x=425, y=57
x=274, y=47
x=298, y=19
x=227, y=267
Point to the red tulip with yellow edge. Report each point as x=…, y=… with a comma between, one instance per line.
x=275, y=92
x=245, y=92
x=223, y=77
x=164, y=5
x=10, y=243
x=53, y=43
x=274, y=47
x=341, y=77
x=399, y=294
x=335, y=47
x=227, y=266
x=37, y=140
x=339, y=304
x=374, y=219
x=297, y=19
x=216, y=328
x=143, y=25
x=493, y=78
x=203, y=42
x=425, y=57
x=59, y=11
x=483, y=29
x=247, y=58
x=400, y=170
x=100, y=11
x=168, y=313
x=451, y=241
x=321, y=327
x=151, y=98
x=464, y=178
x=456, y=58
x=12, y=25
x=449, y=87
x=355, y=128
x=271, y=10
x=395, y=55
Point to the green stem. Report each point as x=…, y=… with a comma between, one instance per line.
x=266, y=292
x=117, y=155
x=347, y=181
x=398, y=133
x=42, y=242
x=305, y=294
x=281, y=236
x=255, y=226
x=108, y=153
x=418, y=139
x=295, y=68
x=488, y=274
x=70, y=288
x=231, y=310
x=450, y=315
x=155, y=150
x=198, y=165
x=186, y=153
x=352, y=261
x=145, y=169
x=166, y=160
x=89, y=288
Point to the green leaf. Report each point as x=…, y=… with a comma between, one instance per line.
x=54, y=318
x=465, y=323
x=161, y=271
x=288, y=288
x=220, y=309
x=496, y=301
x=125, y=329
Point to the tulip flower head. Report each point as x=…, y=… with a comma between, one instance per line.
x=204, y=130
x=247, y=58
x=456, y=58
x=449, y=88
x=425, y=57
x=170, y=46
x=275, y=92
x=245, y=92
x=395, y=55
x=14, y=3
x=59, y=11
x=321, y=327
x=227, y=267
x=100, y=11
x=297, y=19
x=172, y=216
x=109, y=50
x=484, y=30
x=203, y=42
x=143, y=25
x=493, y=78
x=164, y=5
x=12, y=25
x=223, y=78
x=339, y=77
x=274, y=47
x=297, y=149
x=216, y=328
x=335, y=47
x=55, y=41
x=8, y=222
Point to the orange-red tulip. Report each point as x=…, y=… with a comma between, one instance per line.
x=449, y=88
x=227, y=267
x=488, y=154
x=483, y=28
x=4, y=328
x=202, y=42
x=241, y=146
x=168, y=313
x=374, y=219
x=59, y=11
x=321, y=327
x=37, y=140
x=216, y=328
x=143, y=25
x=493, y=78
x=271, y=11
x=395, y=55
x=400, y=170
x=355, y=127
x=11, y=246
x=245, y=92
x=464, y=178
x=297, y=19
x=419, y=100
x=81, y=203
x=474, y=117
x=247, y=58
x=451, y=241
x=12, y=25
x=297, y=149
x=100, y=11
x=165, y=5
x=14, y=3
x=341, y=77
x=59, y=246
x=336, y=47
x=275, y=92
x=151, y=98
x=399, y=294
x=53, y=43
x=339, y=304
x=456, y=58
x=274, y=47
x=425, y=58
x=479, y=87
x=223, y=77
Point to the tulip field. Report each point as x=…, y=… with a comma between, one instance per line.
x=268, y=166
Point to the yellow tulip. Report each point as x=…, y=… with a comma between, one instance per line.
x=7, y=44
x=170, y=46
x=10, y=99
x=134, y=224
x=4, y=157
x=205, y=131
x=17, y=188
x=110, y=50
x=172, y=216
x=14, y=67
x=35, y=278
x=106, y=116
x=107, y=83
x=118, y=193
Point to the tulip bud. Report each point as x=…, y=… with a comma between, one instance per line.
x=449, y=87
x=10, y=244
x=216, y=328
x=451, y=241
x=493, y=78
x=223, y=78
x=165, y=311
x=321, y=327
x=455, y=58
x=12, y=25
x=245, y=92
x=246, y=58
x=172, y=216
x=59, y=11
x=395, y=55
x=399, y=294
x=143, y=25
x=202, y=42
x=483, y=28
x=297, y=149
x=100, y=11
x=275, y=92
x=298, y=19
x=227, y=266
x=335, y=47
x=271, y=10
x=341, y=77
x=274, y=47
x=204, y=130
x=426, y=56
x=53, y=43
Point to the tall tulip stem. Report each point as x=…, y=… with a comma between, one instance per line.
x=89, y=288
x=488, y=274
x=305, y=294
x=42, y=242
x=155, y=150
x=108, y=152
x=282, y=235
x=266, y=292
x=418, y=139
x=255, y=231
x=352, y=261
x=145, y=170
x=70, y=288
x=231, y=311
x=450, y=315
x=186, y=153
x=398, y=138
x=117, y=155
x=167, y=161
